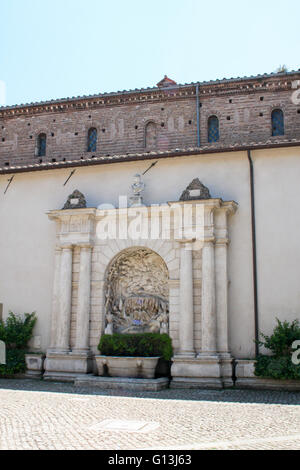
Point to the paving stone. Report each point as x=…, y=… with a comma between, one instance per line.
x=47, y=415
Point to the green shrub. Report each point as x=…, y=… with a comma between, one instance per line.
x=137, y=345
x=15, y=363
x=279, y=365
x=279, y=368
x=16, y=331
x=284, y=334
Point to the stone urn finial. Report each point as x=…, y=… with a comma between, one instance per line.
x=76, y=200
x=195, y=191
x=137, y=188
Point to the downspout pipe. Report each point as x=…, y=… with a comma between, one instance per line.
x=198, y=116
x=254, y=253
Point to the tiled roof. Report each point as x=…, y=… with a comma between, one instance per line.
x=207, y=149
x=149, y=89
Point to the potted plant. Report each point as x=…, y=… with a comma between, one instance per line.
x=132, y=355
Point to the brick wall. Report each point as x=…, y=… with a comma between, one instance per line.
x=137, y=122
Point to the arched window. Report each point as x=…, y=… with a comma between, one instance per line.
x=150, y=135
x=213, y=129
x=92, y=140
x=277, y=122
x=41, y=145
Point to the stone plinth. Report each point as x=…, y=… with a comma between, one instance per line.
x=66, y=366
x=34, y=365
x=202, y=372
x=246, y=378
x=226, y=365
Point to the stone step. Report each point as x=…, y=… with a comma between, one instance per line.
x=121, y=383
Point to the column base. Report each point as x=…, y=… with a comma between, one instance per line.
x=186, y=354
x=65, y=366
x=226, y=363
x=203, y=371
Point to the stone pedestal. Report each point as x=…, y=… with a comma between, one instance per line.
x=226, y=367
x=196, y=373
x=34, y=365
x=246, y=379
x=66, y=367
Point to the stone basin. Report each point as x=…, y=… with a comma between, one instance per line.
x=131, y=367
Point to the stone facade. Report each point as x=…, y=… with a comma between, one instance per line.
x=205, y=297
x=158, y=119
x=166, y=285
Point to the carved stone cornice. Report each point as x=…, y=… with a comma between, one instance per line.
x=75, y=226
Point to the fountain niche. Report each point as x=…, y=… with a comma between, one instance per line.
x=137, y=293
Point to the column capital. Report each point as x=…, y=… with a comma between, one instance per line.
x=183, y=241
x=209, y=241
x=66, y=247
x=222, y=241
x=84, y=246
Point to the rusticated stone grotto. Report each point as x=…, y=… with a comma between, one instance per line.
x=137, y=294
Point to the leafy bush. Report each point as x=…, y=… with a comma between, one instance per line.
x=16, y=331
x=280, y=368
x=137, y=345
x=284, y=334
x=15, y=362
x=279, y=365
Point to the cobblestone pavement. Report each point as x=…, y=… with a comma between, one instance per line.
x=43, y=415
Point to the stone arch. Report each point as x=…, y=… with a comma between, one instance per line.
x=136, y=292
x=164, y=248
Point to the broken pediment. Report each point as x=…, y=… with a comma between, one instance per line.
x=76, y=200
x=195, y=191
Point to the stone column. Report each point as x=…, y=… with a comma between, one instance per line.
x=186, y=324
x=222, y=296
x=84, y=296
x=55, y=300
x=64, y=320
x=209, y=320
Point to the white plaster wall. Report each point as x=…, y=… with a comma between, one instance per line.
x=27, y=236
x=277, y=186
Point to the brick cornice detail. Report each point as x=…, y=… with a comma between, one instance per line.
x=180, y=92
